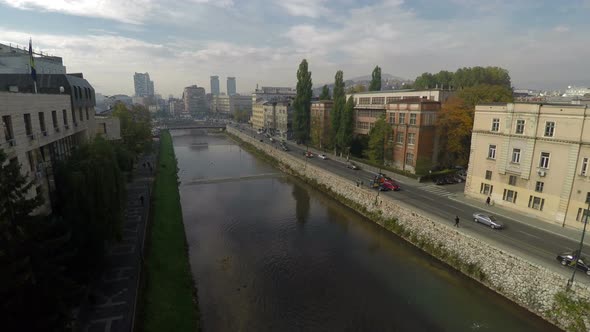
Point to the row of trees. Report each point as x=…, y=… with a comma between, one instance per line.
x=46, y=262
x=463, y=78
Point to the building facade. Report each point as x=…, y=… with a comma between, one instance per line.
x=195, y=102
x=257, y=118
x=144, y=87
x=15, y=60
x=369, y=106
x=215, y=85
x=231, y=86
x=278, y=118
x=320, y=123
x=270, y=93
x=532, y=158
x=413, y=141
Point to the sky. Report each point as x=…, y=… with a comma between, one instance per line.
x=543, y=43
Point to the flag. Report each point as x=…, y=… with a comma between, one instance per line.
x=32, y=61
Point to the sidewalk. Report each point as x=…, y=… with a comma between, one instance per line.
x=112, y=299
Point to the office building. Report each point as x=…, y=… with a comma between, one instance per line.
x=231, y=86
x=195, y=101
x=15, y=60
x=215, y=85
x=144, y=87
x=229, y=104
x=278, y=118
x=532, y=158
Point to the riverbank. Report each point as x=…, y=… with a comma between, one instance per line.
x=168, y=299
x=528, y=285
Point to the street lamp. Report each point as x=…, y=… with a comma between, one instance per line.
x=579, y=252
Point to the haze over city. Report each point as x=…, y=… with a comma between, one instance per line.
x=184, y=42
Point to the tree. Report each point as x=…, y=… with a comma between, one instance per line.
x=455, y=121
x=375, y=79
x=346, y=128
x=464, y=78
x=316, y=132
x=136, y=130
x=302, y=103
x=485, y=93
x=378, y=136
x=15, y=203
x=325, y=95
x=338, y=109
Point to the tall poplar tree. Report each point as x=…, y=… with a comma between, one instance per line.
x=325, y=95
x=346, y=124
x=375, y=80
x=302, y=103
x=339, y=103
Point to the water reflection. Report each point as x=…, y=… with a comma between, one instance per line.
x=301, y=203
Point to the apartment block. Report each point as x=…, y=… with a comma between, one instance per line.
x=532, y=158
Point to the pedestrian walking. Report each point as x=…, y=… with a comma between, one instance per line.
x=141, y=199
x=488, y=200
x=456, y=221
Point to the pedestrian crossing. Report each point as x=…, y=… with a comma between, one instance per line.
x=437, y=190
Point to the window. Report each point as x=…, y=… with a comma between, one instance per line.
x=399, y=138
x=378, y=100
x=364, y=100
x=402, y=118
x=28, y=125
x=582, y=215
x=7, y=124
x=492, y=152
x=549, y=128
x=488, y=175
x=409, y=158
x=509, y=196
x=80, y=114
x=512, y=180
x=516, y=156
x=54, y=119
x=486, y=189
x=584, y=166
x=411, y=139
x=412, y=119
x=65, y=116
x=536, y=203
x=539, y=186
x=42, y=123
x=587, y=198
x=74, y=117
x=544, y=161
x=520, y=126
x=495, y=124
x=392, y=118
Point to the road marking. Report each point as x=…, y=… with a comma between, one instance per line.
x=531, y=235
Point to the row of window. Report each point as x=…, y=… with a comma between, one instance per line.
x=9, y=131
x=401, y=118
x=388, y=100
x=509, y=195
x=80, y=92
x=369, y=113
x=520, y=125
x=539, y=185
x=543, y=160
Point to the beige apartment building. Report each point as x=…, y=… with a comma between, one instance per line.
x=532, y=158
x=40, y=129
x=257, y=118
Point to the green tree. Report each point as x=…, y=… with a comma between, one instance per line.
x=485, y=93
x=424, y=81
x=345, y=131
x=464, y=78
x=34, y=288
x=375, y=79
x=325, y=95
x=316, y=132
x=338, y=108
x=302, y=103
x=136, y=130
x=378, y=137
x=455, y=121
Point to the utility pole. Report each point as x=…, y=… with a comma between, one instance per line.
x=570, y=282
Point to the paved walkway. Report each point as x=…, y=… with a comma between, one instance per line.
x=112, y=300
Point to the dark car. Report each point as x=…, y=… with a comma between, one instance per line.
x=569, y=259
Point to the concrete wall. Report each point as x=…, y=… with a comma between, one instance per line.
x=526, y=283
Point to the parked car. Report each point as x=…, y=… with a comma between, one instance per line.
x=352, y=166
x=322, y=156
x=569, y=259
x=308, y=154
x=488, y=220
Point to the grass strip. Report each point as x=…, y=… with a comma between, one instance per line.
x=169, y=301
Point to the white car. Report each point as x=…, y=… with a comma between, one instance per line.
x=322, y=156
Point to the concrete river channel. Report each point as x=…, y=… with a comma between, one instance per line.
x=270, y=253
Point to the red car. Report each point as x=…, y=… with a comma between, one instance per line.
x=308, y=154
x=389, y=185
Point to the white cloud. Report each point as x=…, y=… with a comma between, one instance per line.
x=307, y=8
x=561, y=28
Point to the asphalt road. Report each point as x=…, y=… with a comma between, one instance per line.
x=539, y=245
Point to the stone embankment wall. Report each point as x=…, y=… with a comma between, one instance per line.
x=525, y=283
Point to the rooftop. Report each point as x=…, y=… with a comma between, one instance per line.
x=394, y=91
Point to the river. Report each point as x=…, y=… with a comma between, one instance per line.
x=270, y=253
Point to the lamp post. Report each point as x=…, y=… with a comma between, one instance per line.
x=579, y=253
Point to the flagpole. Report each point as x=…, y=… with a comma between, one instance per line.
x=35, y=86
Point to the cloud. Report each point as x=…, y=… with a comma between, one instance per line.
x=126, y=11
x=561, y=28
x=307, y=8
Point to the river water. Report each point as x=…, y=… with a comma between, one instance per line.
x=269, y=253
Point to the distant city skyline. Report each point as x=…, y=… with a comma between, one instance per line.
x=540, y=42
